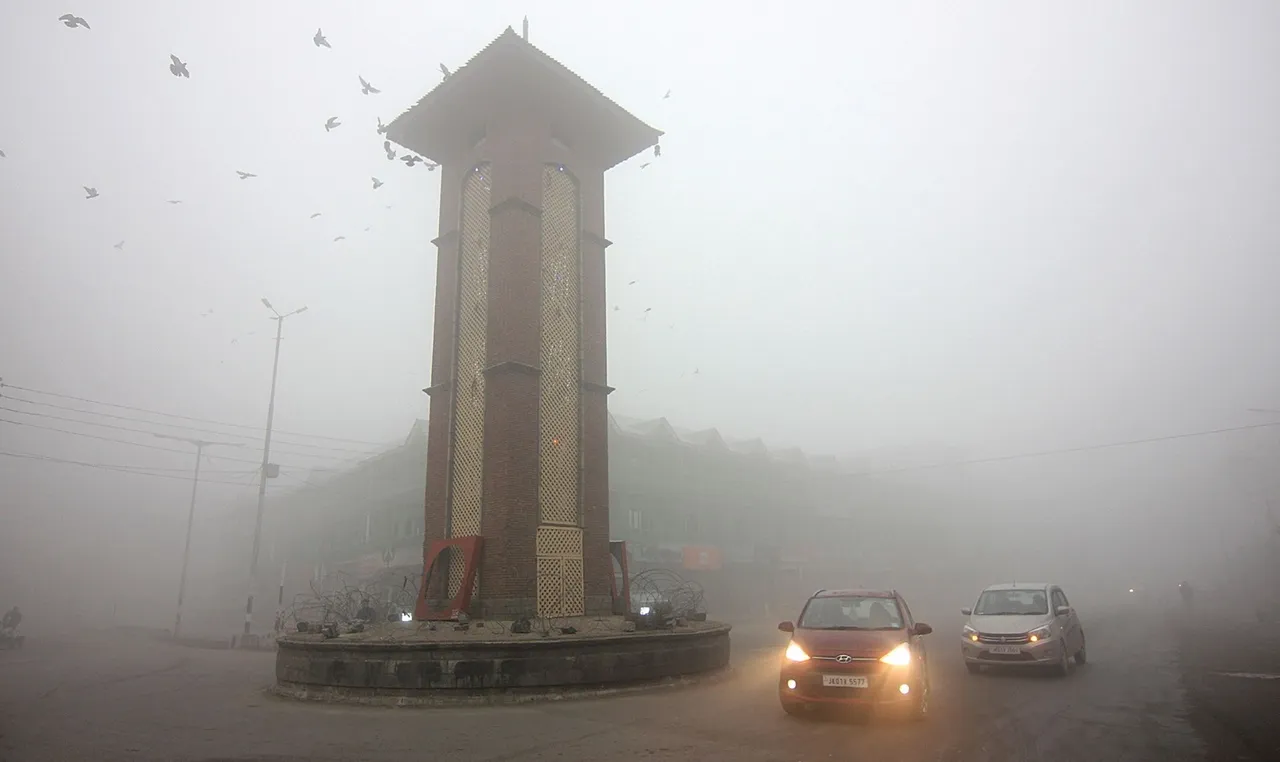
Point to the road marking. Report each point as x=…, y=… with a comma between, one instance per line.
x=1251, y=675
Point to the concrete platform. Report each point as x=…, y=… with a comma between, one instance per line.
x=415, y=663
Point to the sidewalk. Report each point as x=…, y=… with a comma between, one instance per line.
x=1231, y=671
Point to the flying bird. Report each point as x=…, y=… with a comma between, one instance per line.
x=90, y=192
x=368, y=228
x=178, y=68
x=391, y=152
x=245, y=175
x=632, y=283
x=657, y=151
x=320, y=41
x=410, y=159
x=120, y=246
x=332, y=123
x=368, y=89
x=175, y=201
x=642, y=166
x=445, y=71
x=73, y=21
x=382, y=128
x=317, y=214
x=667, y=95
x=207, y=312
x=340, y=238
x=377, y=183
x=1, y=154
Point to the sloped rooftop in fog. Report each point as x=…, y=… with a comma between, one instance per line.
x=661, y=430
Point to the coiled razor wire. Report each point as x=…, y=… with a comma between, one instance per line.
x=661, y=592
x=355, y=602
x=667, y=594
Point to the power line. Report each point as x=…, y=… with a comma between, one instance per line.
x=120, y=441
x=144, y=431
x=169, y=425
x=118, y=469
x=1071, y=450
x=182, y=417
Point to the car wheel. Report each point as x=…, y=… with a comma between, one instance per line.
x=1064, y=664
x=973, y=668
x=920, y=710
x=1082, y=655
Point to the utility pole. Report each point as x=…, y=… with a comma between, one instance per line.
x=266, y=463
x=199, y=444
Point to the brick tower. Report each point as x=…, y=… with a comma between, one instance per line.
x=517, y=447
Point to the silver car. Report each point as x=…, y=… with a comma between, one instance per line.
x=1021, y=624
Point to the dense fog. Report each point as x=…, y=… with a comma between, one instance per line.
x=1012, y=270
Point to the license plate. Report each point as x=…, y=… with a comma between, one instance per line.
x=844, y=681
x=1005, y=650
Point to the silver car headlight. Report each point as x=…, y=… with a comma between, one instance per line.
x=1039, y=634
x=970, y=634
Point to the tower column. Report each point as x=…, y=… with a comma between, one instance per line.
x=518, y=445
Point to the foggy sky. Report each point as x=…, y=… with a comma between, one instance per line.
x=992, y=226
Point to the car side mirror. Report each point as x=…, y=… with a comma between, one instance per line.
x=922, y=628
x=967, y=612
x=1064, y=610
x=786, y=627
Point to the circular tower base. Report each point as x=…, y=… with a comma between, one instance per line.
x=423, y=663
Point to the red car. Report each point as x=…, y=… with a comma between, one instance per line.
x=856, y=648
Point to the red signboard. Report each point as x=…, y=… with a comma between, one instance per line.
x=702, y=557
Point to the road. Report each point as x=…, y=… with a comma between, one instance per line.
x=112, y=698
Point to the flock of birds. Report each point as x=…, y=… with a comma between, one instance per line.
x=180, y=69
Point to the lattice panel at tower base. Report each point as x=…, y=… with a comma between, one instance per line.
x=561, y=590
x=560, y=587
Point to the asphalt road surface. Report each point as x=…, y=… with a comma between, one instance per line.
x=110, y=697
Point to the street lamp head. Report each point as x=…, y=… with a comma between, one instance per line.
x=267, y=304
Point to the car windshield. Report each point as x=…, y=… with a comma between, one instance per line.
x=1012, y=603
x=852, y=613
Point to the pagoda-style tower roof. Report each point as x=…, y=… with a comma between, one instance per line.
x=511, y=75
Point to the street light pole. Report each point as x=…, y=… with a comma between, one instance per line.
x=199, y=444
x=266, y=462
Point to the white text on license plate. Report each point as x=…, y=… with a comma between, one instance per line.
x=844, y=681
x=1005, y=650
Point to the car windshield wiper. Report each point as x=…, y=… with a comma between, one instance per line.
x=850, y=627
x=834, y=627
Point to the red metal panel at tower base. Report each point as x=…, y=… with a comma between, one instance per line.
x=470, y=547
x=702, y=558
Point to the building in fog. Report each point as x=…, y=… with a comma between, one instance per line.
x=753, y=525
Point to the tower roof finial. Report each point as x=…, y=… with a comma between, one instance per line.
x=525, y=30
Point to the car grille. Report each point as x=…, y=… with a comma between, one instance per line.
x=986, y=637
x=988, y=656
x=855, y=667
